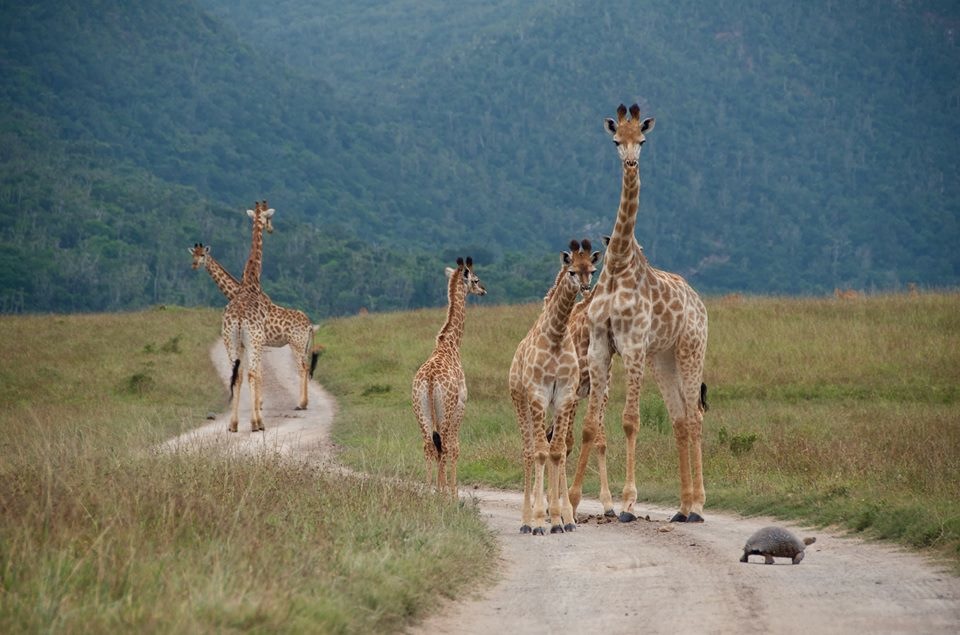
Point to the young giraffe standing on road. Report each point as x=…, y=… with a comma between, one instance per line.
x=243, y=326
x=439, y=387
x=545, y=375
x=283, y=326
x=645, y=315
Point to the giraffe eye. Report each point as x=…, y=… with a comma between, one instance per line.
x=616, y=143
x=642, y=141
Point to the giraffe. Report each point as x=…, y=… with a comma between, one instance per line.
x=243, y=326
x=284, y=327
x=439, y=386
x=545, y=375
x=646, y=316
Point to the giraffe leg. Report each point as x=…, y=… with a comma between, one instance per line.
x=682, y=401
x=526, y=431
x=255, y=374
x=303, y=367
x=561, y=510
x=526, y=511
x=454, y=434
x=599, y=359
x=541, y=450
x=633, y=365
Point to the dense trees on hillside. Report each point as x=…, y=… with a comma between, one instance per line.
x=797, y=148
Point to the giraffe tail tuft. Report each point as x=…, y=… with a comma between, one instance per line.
x=314, y=356
x=234, y=375
x=436, y=441
x=703, y=397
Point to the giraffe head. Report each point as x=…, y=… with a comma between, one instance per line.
x=629, y=134
x=199, y=253
x=580, y=264
x=470, y=280
x=265, y=214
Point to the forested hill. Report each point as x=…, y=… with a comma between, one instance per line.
x=799, y=146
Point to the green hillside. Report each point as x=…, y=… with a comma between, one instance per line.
x=797, y=149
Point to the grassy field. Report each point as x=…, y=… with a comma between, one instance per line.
x=821, y=410
x=98, y=533
x=828, y=411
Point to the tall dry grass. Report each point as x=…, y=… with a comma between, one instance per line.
x=824, y=410
x=98, y=533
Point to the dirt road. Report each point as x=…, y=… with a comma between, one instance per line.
x=649, y=576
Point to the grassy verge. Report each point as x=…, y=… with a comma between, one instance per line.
x=99, y=534
x=824, y=411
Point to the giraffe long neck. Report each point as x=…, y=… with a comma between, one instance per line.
x=251, y=271
x=557, y=308
x=223, y=278
x=622, y=240
x=451, y=333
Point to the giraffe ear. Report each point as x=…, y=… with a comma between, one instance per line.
x=610, y=126
x=567, y=258
x=250, y=213
x=450, y=271
x=594, y=257
x=189, y=251
x=206, y=250
x=269, y=212
x=647, y=125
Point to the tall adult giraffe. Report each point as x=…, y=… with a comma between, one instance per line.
x=284, y=327
x=647, y=316
x=544, y=376
x=439, y=386
x=244, y=325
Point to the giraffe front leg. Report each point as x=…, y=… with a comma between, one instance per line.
x=525, y=424
x=540, y=453
x=526, y=511
x=561, y=510
x=599, y=359
x=566, y=507
x=631, y=421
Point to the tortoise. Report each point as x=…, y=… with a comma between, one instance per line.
x=775, y=542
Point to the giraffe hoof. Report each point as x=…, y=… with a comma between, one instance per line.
x=694, y=517
x=679, y=518
x=538, y=531
x=627, y=517
x=569, y=526
x=525, y=529
x=556, y=529
x=300, y=408
x=609, y=513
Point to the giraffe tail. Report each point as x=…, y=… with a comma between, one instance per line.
x=314, y=357
x=233, y=376
x=703, y=397
x=433, y=411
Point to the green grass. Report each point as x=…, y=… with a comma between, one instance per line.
x=98, y=533
x=823, y=411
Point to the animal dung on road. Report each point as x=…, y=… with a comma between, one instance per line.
x=775, y=542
